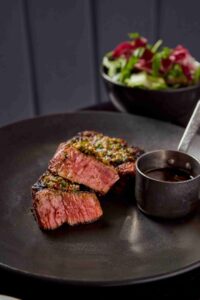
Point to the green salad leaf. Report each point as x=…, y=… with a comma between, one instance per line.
x=138, y=52
x=126, y=70
x=175, y=76
x=197, y=74
x=143, y=80
x=134, y=35
x=156, y=62
x=113, y=66
x=156, y=46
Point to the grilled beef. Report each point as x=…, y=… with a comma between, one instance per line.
x=57, y=201
x=54, y=208
x=72, y=164
x=95, y=160
x=109, y=150
x=89, y=162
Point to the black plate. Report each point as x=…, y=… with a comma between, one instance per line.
x=125, y=246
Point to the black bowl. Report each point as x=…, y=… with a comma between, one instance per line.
x=174, y=105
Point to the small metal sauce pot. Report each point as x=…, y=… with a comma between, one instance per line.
x=168, y=199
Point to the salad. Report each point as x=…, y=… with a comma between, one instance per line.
x=136, y=63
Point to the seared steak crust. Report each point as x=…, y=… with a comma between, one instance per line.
x=109, y=150
x=49, y=180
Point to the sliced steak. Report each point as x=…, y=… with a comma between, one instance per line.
x=109, y=150
x=86, y=163
x=54, y=208
x=72, y=164
x=90, y=158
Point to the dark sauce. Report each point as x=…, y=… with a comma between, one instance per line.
x=169, y=174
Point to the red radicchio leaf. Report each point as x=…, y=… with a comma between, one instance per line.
x=144, y=65
x=179, y=54
x=183, y=57
x=147, y=55
x=124, y=48
x=187, y=71
x=139, y=42
x=166, y=64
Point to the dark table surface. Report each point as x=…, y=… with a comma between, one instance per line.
x=186, y=286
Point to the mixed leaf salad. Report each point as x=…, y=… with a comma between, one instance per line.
x=136, y=63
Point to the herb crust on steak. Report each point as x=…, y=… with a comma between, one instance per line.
x=109, y=150
x=49, y=180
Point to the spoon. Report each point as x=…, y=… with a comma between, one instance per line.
x=168, y=181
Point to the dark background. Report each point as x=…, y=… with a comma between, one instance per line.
x=50, y=50
x=50, y=55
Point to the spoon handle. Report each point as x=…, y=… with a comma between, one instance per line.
x=190, y=130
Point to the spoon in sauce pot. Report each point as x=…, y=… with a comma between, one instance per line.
x=168, y=181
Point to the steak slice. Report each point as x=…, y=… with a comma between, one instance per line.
x=90, y=158
x=109, y=150
x=57, y=200
x=54, y=208
x=70, y=163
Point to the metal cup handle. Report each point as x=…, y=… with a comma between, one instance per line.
x=191, y=129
